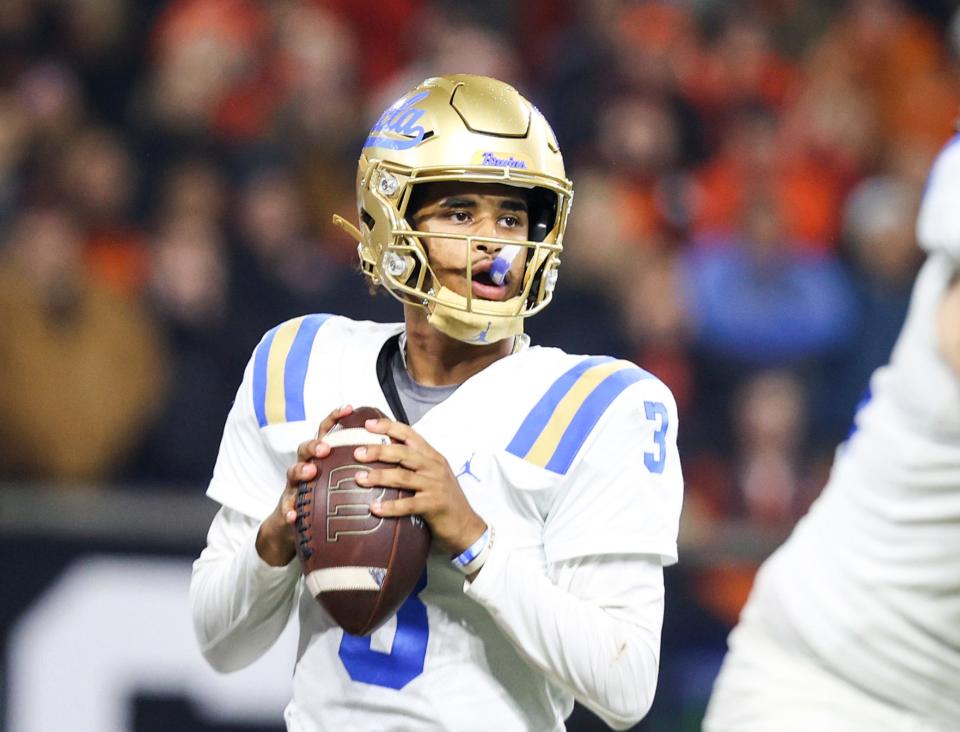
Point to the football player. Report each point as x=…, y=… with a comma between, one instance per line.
x=550, y=482
x=854, y=623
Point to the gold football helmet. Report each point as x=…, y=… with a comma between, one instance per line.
x=471, y=129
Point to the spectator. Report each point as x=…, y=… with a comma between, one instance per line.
x=14, y=132
x=97, y=178
x=279, y=257
x=754, y=300
x=189, y=292
x=83, y=369
x=769, y=417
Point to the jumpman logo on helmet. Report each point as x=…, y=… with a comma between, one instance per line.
x=482, y=335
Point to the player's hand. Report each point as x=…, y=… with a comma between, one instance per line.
x=421, y=469
x=276, y=539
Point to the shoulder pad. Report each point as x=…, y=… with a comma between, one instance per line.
x=280, y=369
x=558, y=425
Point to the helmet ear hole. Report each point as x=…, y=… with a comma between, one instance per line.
x=543, y=213
x=418, y=194
x=367, y=219
x=538, y=281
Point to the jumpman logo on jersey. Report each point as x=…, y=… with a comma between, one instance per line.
x=466, y=470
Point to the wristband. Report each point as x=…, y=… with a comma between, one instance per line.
x=473, y=557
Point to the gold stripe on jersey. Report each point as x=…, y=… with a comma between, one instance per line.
x=276, y=401
x=546, y=444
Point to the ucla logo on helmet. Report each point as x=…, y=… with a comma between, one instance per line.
x=397, y=128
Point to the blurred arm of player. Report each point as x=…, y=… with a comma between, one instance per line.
x=938, y=222
x=949, y=325
x=938, y=231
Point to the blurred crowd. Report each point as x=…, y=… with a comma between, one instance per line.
x=747, y=176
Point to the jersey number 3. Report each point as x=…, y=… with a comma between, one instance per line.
x=656, y=460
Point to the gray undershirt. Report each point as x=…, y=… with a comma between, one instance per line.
x=416, y=399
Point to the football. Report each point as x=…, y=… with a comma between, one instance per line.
x=360, y=567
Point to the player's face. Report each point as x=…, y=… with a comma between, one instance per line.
x=478, y=209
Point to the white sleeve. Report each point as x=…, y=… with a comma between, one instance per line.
x=240, y=603
x=593, y=628
x=938, y=225
x=249, y=476
x=624, y=492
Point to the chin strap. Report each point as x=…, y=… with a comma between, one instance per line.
x=450, y=316
x=520, y=343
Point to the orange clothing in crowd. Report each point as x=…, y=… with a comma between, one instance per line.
x=809, y=196
x=82, y=379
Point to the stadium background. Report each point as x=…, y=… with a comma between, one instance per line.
x=747, y=176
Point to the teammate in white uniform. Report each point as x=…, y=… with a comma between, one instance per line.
x=854, y=624
x=568, y=462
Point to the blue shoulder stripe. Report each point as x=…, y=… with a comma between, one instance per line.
x=260, y=376
x=538, y=417
x=558, y=425
x=589, y=414
x=295, y=374
x=280, y=370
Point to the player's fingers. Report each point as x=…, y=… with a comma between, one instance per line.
x=393, y=453
x=397, y=507
x=331, y=419
x=299, y=472
x=288, y=499
x=391, y=478
x=397, y=431
x=315, y=448
x=289, y=508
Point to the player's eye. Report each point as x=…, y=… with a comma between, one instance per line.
x=461, y=216
x=510, y=221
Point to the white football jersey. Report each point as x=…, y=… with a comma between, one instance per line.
x=869, y=582
x=567, y=456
